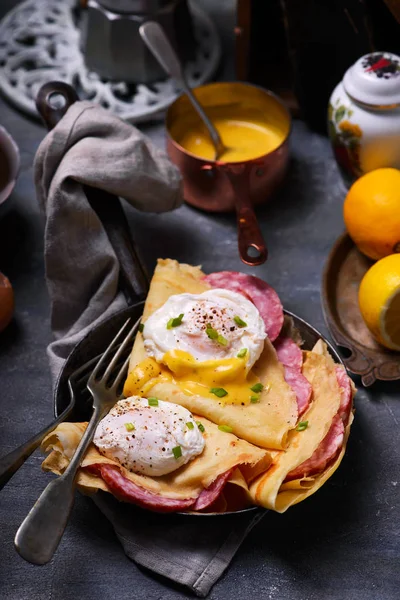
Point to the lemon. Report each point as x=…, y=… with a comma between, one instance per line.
x=379, y=301
x=371, y=213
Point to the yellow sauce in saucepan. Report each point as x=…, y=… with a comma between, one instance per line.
x=243, y=140
x=247, y=132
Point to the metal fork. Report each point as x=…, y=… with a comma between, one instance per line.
x=40, y=533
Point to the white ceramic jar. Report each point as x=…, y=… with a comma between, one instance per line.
x=364, y=116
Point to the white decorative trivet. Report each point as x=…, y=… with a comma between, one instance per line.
x=40, y=42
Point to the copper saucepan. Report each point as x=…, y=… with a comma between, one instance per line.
x=220, y=186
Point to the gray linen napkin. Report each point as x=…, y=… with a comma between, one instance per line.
x=91, y=147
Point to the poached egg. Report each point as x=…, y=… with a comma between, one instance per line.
x=204, y=343
x=216, y=324
x=149, y=436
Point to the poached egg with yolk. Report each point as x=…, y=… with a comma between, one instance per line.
x=204, y=343
x=149, y=436
x=216, y=324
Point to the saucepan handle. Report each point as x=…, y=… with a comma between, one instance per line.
x=252, y=248
x=53, y=101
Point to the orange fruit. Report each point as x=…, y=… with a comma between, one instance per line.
x=372, y=213
x=379, y=301
x=6, y=302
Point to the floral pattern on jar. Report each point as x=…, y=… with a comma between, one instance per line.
x=345, y=138
x=382, y=65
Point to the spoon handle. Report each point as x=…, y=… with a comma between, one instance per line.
x=156, y=40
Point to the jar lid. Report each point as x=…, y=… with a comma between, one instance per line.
x=374, y=79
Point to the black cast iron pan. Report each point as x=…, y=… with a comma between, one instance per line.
x=133, y=279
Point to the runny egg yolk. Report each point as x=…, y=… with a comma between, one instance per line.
x=195, y=377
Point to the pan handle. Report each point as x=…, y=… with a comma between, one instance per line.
x=252, y=248
x=53, y=101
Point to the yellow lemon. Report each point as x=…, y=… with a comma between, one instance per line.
x=372, y=213
x=379, y=301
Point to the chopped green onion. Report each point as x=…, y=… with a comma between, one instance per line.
x=189, y=425
x=220, y=392
x=257, y=388
x=211, y=332
x=129, y=427
x=225, y=428
x=221, y=340
x=177, y=452
x=239, y=322
x=254, y=399
x=152, y=401
x=141, y=327
x=242, y=353
x=302, y=426
x=214, y=335
x=175, y=321
x=200, y=426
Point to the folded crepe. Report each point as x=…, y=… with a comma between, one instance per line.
x=266, y=423
x=237, y=473
x=224, y=456
x=273, y=458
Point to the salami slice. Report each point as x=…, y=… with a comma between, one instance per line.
x=288, y=352
x=210, y=494
x=333, y=441
x=263, y=296
x=301, y=387
x=127, y=491
x=324, y=454
x=345, y=393
x=124, y=489
x=291, y=356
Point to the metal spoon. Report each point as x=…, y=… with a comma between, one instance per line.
x=154, y=37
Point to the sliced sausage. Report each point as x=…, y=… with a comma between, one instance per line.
x=288, y=352
x=210, y=494
x=124, y=489
x=346, y=393
x=291, y=356
x=301, y=387
x=324, y=454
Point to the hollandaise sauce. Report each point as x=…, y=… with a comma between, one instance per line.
x=243, y=140
x=224, y=380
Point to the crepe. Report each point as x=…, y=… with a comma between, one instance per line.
x=223, y=451
x=262, y=459
x=266, y=423
x=270, y=489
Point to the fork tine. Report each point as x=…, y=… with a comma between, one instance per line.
x=120, y=350
x=121, y=373
x=105, y=355
x=85, y=371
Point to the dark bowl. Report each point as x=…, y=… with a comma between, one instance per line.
x=95, y=342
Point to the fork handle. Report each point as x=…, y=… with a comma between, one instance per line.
x=11, y=462
x=41, y=531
